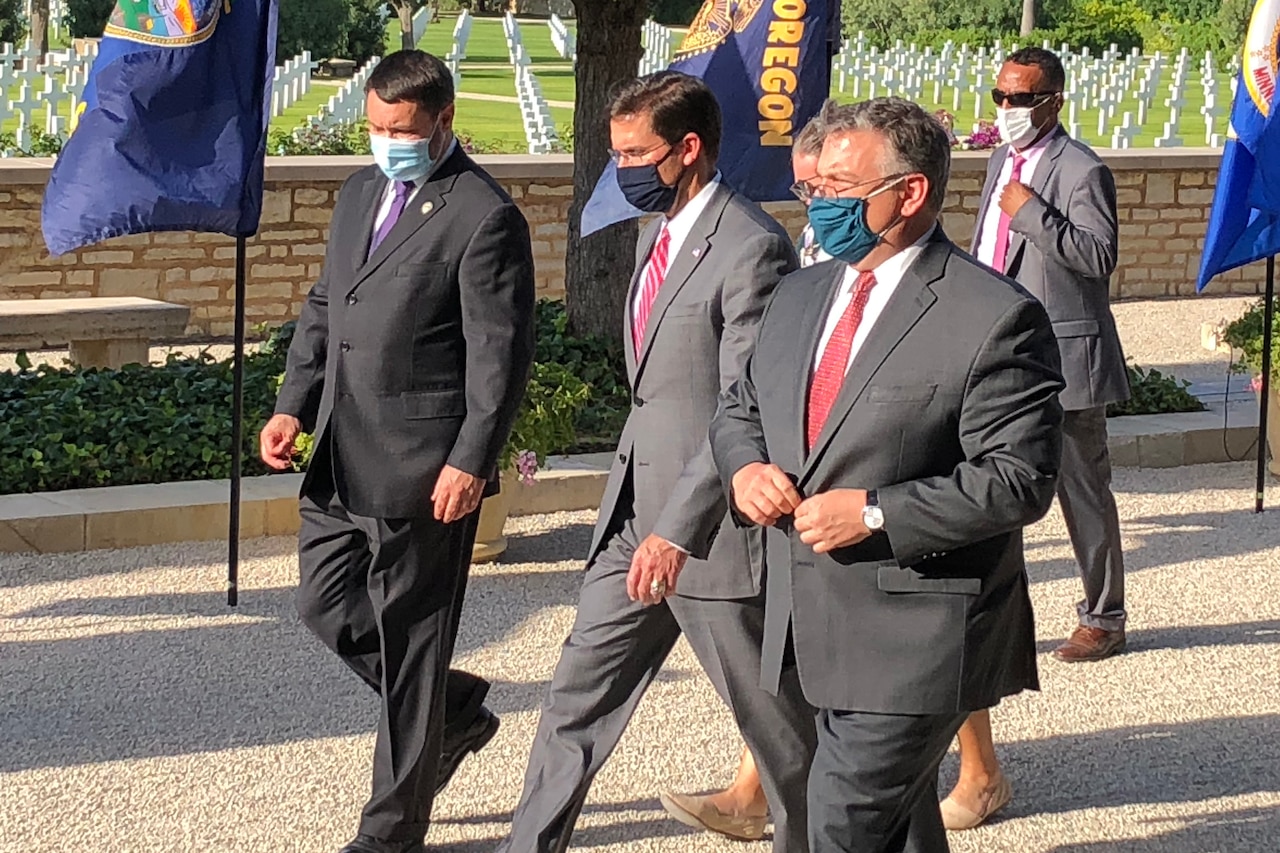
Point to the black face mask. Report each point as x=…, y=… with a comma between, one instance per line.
x=643, y=187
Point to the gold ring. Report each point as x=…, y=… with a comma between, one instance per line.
x=658, y=587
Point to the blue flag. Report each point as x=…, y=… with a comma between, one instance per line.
x=769, y=64
x=1244, y=223
x=171, y=132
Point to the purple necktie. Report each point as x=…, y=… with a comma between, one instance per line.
x=401, y=198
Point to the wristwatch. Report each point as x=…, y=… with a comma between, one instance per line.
x=872, y=514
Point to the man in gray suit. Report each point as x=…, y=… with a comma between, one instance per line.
x=896, y=427
x=1048, y=220
x=656, y=567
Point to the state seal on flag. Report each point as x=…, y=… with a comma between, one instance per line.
x=715, y=22
x=1262, y=54
x=165, y=23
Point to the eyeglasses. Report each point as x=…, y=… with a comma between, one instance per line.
x=618, y=157
x=1021, y=99
x=802, y=191
x=838, y=189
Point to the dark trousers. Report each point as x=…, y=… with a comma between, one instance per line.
x=385, y=595
x=1093, y=523
x=874, y=783
x=615, y=650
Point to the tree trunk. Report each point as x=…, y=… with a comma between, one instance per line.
x=405, y=9
x=1028, y=17
x=598, y=269
x=40, y=25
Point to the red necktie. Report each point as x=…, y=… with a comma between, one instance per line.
x=1000, y=259
x=654, y=273
x=827, y=379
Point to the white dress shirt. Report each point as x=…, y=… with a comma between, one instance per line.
x=389, y=194
x=991, y=216
x=810, y=253
x=888, y=275
x=679, y=227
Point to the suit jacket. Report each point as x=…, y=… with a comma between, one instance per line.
x=1062, y=248
x=950, y=410
x=697, y=339
x=417, y=356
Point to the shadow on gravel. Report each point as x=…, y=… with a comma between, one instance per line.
x=1176, y=763
x=1192, y=637
x=1244, y=831
x=129, y=692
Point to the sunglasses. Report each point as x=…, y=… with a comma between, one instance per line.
x=1020, y=99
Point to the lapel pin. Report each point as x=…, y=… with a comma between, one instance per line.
x=697, y=252
x=427, y=207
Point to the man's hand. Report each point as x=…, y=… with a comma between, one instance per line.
x=456, y=495
x=832, y=520
x=275, y=442
x=764, y=493
x=655, y=560
x=1015, y=195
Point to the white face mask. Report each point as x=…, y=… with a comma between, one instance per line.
x=1015, y=125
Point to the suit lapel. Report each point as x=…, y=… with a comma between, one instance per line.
x=814, y=321
x=426, y=203
x=681, y=267
x=912, y=298
x=1037, y=181
x=993, y=174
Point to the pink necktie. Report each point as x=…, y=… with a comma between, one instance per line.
x=654, y=274
x=1000, y=259
x=829, y=377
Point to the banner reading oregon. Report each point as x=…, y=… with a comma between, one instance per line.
x=166, y=23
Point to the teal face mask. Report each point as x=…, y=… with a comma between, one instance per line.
x=403, y=159
x=840, y=226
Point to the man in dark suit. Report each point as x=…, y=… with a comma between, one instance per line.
x=1048, y=220
x=704, y=270
x=409, y=363
x=896, y=427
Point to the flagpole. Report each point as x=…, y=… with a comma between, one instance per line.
x=237, y=430
x=1268, y=309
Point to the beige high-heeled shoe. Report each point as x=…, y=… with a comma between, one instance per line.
x=700, y=813
x=956, y=817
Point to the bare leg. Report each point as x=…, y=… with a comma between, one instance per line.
x=981, y=789
x=745, y=796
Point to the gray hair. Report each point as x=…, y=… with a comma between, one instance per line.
x=809, y=140
x=917, y=141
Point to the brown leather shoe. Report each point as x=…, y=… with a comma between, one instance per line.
x=700, y=813
x=1090, y=644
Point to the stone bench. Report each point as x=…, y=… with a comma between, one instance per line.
x=101, y=332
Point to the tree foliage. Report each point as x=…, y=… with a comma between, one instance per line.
x=351, y=29
x=13, y=25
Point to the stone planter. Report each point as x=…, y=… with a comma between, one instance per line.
x=490, y=543
x=1273, y=428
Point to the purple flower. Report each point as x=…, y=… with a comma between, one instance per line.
x=526, y=466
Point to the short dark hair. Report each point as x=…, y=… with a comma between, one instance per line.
x=917, y=140
x=677, y=104
x=1046, y=60
x=412, y=75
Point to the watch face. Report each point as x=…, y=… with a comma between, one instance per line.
x=873, y=517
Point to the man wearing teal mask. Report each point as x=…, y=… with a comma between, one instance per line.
x=895, y=428
x=408, y=364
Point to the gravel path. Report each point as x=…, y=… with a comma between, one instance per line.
x=138, y=714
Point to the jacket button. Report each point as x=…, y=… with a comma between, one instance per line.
x=351, y=300
x=638, y=401
x=622, y=457
x=344, y=346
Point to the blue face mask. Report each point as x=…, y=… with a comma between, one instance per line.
x=403, y=159
x=840, y=226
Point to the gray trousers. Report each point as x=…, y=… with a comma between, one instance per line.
x=1093, y=524
x=611, y=657
x=874, y=784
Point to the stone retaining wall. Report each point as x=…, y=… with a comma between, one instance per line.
x=1164, y=198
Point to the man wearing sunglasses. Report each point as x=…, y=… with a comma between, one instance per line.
x=1048, y=220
